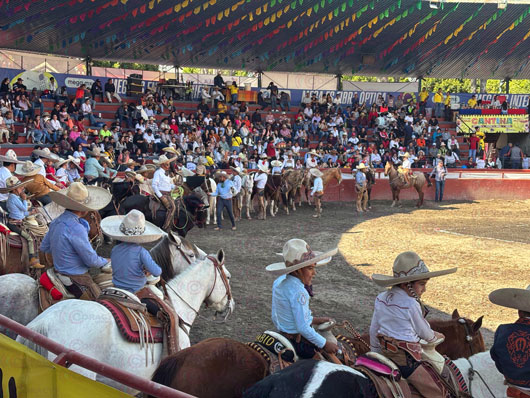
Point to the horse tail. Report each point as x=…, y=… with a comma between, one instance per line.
x=166, y=371
x=428, y=179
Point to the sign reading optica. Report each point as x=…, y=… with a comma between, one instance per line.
x=494, y=123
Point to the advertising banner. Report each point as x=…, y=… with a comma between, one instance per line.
x=26, y=374
x=494, y=123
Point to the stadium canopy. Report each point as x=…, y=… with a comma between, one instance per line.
x=369, y=37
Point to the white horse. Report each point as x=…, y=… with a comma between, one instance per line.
x=19, y=292
x=211, y=186
x=89, y=328
x=247, y=184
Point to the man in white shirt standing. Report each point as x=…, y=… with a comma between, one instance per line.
x=260, y=180
x=162, y=187
x=317, y=191
x=9, y=162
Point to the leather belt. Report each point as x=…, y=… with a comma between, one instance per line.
x=165, y=192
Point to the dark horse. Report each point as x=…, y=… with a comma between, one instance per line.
x=202, y=370
x=120, y=191
x=190, y=212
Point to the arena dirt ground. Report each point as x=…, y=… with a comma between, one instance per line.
x=488, y=240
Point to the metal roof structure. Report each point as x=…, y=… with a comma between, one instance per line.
x=369, y=37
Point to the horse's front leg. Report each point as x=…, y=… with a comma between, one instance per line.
x=272, y=208
x=248, y=203
x=393, y=198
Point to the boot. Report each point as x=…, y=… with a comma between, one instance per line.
x=35, y=263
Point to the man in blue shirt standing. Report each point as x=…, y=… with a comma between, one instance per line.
x=361, y=188
x=224, y=192
x=67, y=238
x=290, y=300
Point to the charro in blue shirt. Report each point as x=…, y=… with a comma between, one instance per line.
x=129, y=261
x=360, y=178
x=290, y=309
x=223, y=189
x=16, y=207
x=67, y=241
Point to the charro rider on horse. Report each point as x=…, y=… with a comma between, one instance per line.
x=290, y=300
x=67, y=238
x=162, y=186
x=399, y=324
x=511, y=346
x=404, y=170
x=131, y=262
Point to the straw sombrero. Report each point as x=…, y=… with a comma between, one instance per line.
x=263, y=156
x=296, y=255
x=276, y=163
x=200, y=170
x=13, y=183
x=27, y=169
x=518, y=299
x=46, y=153
x=97, y=152
x=170, y=149
x=131, y=228
x=134, y=175
x=408, y=267
x=79, y=197
x=239, y=170
x=184, y=172
x=10, y=157
x=163, y=159
x=314, y=153
x=59, y=163
x=361, y=166
x=316, y=172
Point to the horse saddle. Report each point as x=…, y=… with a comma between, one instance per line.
x=276, y=349
x=13, y=239
x=384, y=374
x=135, y=323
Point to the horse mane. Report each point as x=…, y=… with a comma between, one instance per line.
x=161, y=254
x=166, y=370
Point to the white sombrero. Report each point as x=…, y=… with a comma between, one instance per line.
x=27, y=169
x=316, y=172
x=79, y=197
x=518, y=299
x=184, y=172
x=263, y=168
x=131, y=228
x=134, y=175
x=314, y=153
x=276, y=163
x=408, y=267
x=361, y=166
x=239, y=170
x=46, y=153
x=170, y=149
x=163, y=159
x=296, y=255
x=10, y=157
x=60, y=162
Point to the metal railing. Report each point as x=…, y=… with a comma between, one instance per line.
x=67, y=357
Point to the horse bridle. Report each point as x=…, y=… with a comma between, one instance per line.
x=469, y=334
x=98, y=228
x=471, y=374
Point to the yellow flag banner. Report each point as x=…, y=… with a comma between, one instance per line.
x=26, y=374
x=494, y=123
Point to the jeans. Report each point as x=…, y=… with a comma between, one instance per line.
x=285, y=106
x=516, y=163
x=36, y=105
x=438, y=109
x=274, y=105
x=92, y=119
x=438, y=196
x=473, y=154
x=234, y=98
x=221, y=205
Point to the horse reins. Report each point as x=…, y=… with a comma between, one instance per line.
x=471, y=373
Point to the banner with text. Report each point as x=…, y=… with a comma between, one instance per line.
x=493, y=123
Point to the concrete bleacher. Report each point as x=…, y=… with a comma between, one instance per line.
x=23, y=148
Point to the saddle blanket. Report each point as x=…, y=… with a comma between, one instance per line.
x=123, y=321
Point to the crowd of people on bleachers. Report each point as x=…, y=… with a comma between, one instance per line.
x=225, y=131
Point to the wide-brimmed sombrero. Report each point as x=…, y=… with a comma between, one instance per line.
x=408, y=267
x=518, y=299
x=10, y=157
x=97, y=152
x=316, y=172
x=79, y=197
x=131, y=228
x=170, y=149
x=276, y=163
x=314, y=153
x=296, y=255
x=163, y=159
x=46, y=153
x=60, y=162
x=27, y=169
x=185, y=172
x=239, y=170
x=13, y=183
x=361, y=166
x=132, y=174
x=263, y=168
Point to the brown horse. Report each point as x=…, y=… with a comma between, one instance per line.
x=329, y=174
x=291, y=185
x=221, y=367
x=13, y=265
x=397, y=185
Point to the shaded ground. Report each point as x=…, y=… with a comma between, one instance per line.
x=369, y=244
